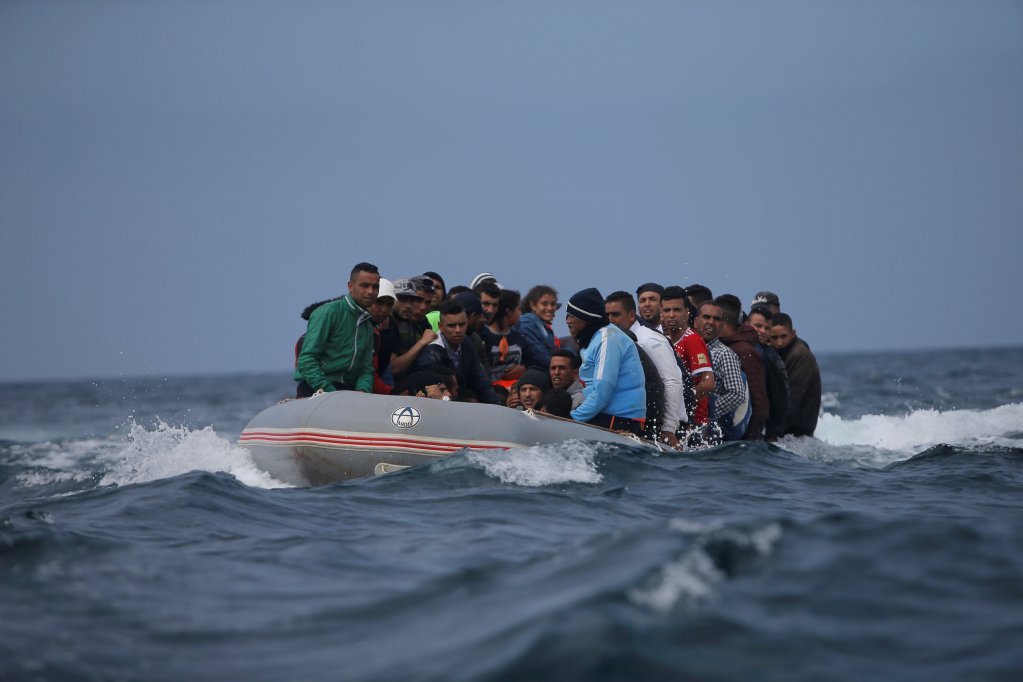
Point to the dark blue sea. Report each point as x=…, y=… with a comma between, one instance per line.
x=139, y=542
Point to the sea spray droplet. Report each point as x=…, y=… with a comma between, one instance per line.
x=167, y=451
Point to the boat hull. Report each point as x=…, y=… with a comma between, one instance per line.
x=343, y=435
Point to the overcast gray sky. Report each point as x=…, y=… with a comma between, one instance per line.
x=179, y=179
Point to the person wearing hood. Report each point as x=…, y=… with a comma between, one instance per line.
x=337, y=351
x=614, y=396
x=743, y=339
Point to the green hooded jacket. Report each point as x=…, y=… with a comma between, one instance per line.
x=338, y=347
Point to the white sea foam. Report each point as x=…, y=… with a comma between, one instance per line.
x=568, y=462
x=883, y=439
x=693, y=576
x=166, y=451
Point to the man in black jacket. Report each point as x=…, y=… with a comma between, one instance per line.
x=454, y=351
x=804, y=377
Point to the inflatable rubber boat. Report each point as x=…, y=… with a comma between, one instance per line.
x=345, y=434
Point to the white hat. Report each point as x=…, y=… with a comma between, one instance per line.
x=386, y=289
x=482, y=278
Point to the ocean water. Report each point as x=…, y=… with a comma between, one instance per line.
x=139, y=542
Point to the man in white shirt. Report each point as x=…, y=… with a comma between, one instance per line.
x=621, y=310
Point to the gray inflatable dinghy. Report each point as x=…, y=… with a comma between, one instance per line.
x=344, y=434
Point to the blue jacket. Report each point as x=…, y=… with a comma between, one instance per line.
x=539, y=341
x=613, y=375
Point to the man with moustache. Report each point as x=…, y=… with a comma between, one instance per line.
x=337, y=351
x=730, y=404
x=406, y=336
x=690, y=347
x=648, y=298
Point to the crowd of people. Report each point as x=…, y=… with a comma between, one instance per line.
x=673, y=364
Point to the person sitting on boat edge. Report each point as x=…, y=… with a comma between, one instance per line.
x=729, y=404
x=614, y=396
x=380, y=313
x=776, y=377
x=337, y=352
x=804, y=377
x=621, y=310
x=528, y=392
x=742, y=338
x=405, y=338
x=453, y=351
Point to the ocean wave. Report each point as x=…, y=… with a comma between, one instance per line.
x=717, y=552
x=876, y=439
x=569, y=462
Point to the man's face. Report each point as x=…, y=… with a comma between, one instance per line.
x=381, y=309
x=575, y=325
x=421, y=305
x=475, y=322
x=781, y=336
x=529, y=396
x=453, y=327
x=619, y=316
x=649, y=305
x=708, y=322
x=438, y=293
x=405, y=307
x=489, y=307
x=763, y=327
x=674, y=315
x=562, y=374
x=364, y=288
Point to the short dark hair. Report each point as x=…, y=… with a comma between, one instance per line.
x=507, y=300
x=557, y=402
x=535, y=294
x=491, y=290
x=698, y=294
x=707, y=303
x=672, y=293
x=458, y=289
x=449, y=307
x=763, y=311
x=650, y=286
x=731, y=307
x=362, y=267
x=623, y=297
x=577, y=361
x=783, y=320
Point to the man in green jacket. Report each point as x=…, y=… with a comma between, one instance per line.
x=337, y=353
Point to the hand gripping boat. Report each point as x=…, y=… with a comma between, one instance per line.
x=346, y=434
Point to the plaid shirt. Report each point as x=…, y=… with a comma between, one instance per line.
x=730, y=390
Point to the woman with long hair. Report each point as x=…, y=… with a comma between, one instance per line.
x=538, y=308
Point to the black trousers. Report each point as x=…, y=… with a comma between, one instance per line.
x=609, y=421
x=306, y=391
